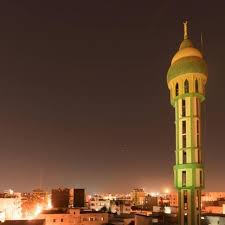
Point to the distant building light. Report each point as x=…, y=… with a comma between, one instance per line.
x=167, y=191
x=167, y=210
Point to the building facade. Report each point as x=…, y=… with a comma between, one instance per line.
x=60, y=198
x=97, y=203
x=73, y=217
x=212, y=196
x=77, y=197
x=138, y=196
x=120, y=206
x=186, y=79
x=10, y=206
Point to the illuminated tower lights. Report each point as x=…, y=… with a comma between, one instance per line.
x=186, y=79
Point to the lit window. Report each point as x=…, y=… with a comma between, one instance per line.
x=185, y=200
x=186, y=86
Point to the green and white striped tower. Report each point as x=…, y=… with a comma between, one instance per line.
x=186, y=78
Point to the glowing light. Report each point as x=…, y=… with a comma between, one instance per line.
x=167, y=191
x=167, y=210
x=37, y=210
x=2, y=217
x=49, y=206
x=11, y=191
x=153, y=194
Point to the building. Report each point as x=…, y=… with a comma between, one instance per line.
x=93, y=218
x=60, y=198
x=212, y=196
x=110, y=196
x=141, y=219
x=24, y=222
x=150, y=201
x=214, y=209
x=33, y=202
x=138, y=196
x=64, y=198
x=213, y=219
x=120, y=206
x=123, y=219
x=10, y=206
x=173, y=199
x=73, y=216
x=78, y=197
x=97, y=203
x=186, y=80
x=156, y=218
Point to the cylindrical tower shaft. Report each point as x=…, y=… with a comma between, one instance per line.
x=186, y=79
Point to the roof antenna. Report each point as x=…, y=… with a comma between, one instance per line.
x=185, y=29
x=202, y=43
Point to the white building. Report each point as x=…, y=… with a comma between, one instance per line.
x=97, y=203
x=10, y=205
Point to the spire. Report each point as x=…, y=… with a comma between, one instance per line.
x=185, y=29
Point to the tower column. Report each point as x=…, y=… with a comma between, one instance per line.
x=186, y=79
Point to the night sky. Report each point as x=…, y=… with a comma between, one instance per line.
x=83, y=94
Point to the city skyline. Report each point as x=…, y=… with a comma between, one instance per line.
x=84, y=100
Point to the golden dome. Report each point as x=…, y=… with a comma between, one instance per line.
x=187, y=59
x=186, y=52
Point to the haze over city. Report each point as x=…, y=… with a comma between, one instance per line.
x=84, y=98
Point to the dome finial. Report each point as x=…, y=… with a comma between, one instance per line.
x=185, y=29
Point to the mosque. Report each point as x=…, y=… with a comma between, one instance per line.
x=186, y=79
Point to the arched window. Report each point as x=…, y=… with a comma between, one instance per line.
x=186, y=86
x=196, y=85
x=177, y=89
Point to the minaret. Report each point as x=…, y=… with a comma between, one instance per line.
x=186, y=80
